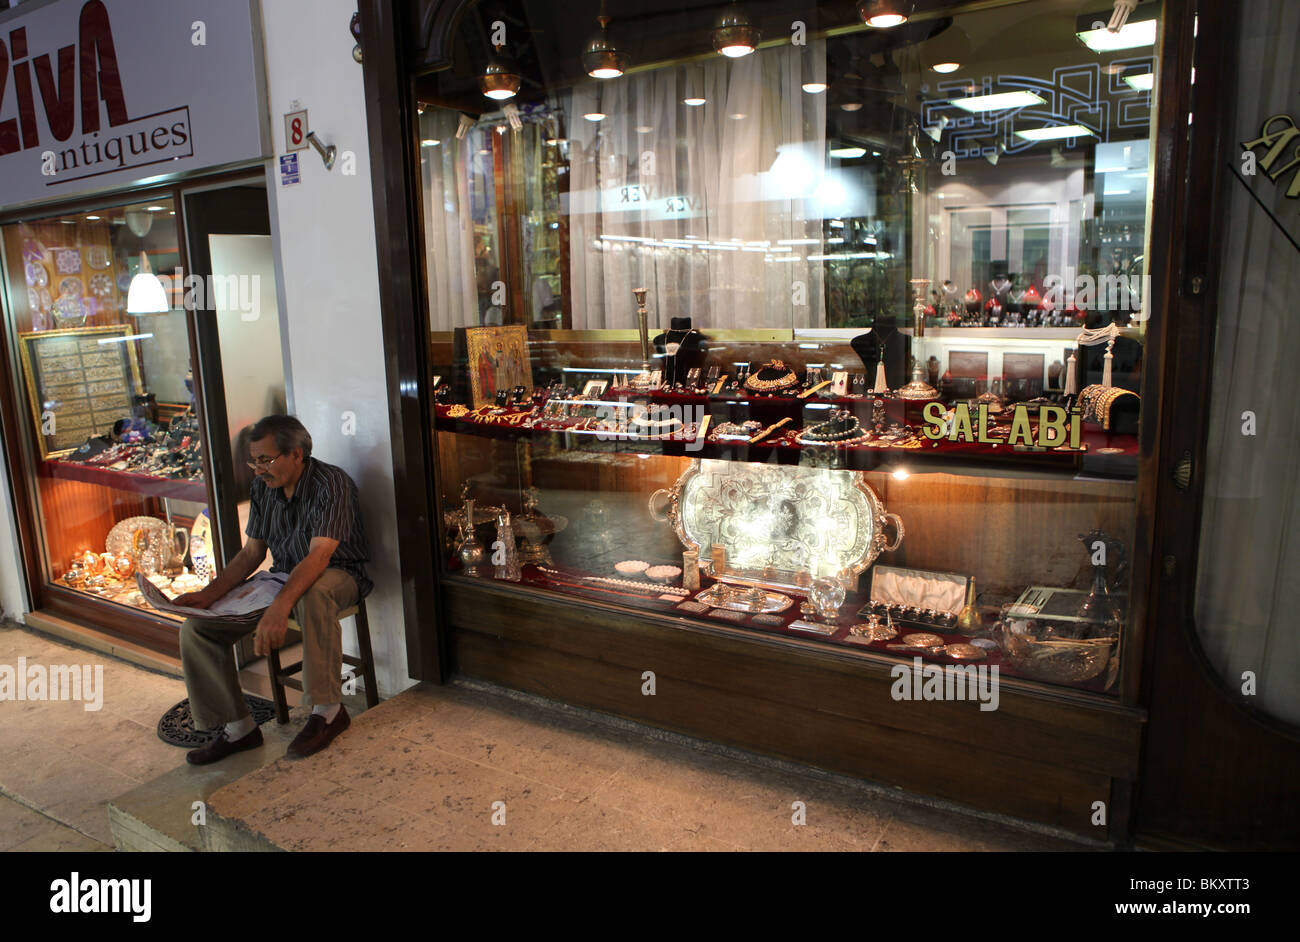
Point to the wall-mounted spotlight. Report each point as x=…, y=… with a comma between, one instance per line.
x=602, y=59
x=499, y=81
x=1123, y=9
x=512, y=115
x=998, y=150
x=734, y=35
x=327, y=154
x=463, y=124
x=882, y=14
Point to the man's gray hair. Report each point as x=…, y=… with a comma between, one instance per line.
x=287, y=431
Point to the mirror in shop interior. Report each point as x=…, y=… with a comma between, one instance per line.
x=863, y=301
x=96, y=301
x=1000, y=154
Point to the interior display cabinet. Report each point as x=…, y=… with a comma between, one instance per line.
x=792, y=388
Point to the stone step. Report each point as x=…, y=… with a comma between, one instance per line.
x=158, y=815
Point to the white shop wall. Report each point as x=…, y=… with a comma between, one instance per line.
x=251, y=360
x=324, y=234
x=13, y=595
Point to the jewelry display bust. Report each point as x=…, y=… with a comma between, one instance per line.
x=682, y=347
x=896, y=347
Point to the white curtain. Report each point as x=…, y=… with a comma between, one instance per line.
x=737, y=176
x=1248, y=587
x=448, y=225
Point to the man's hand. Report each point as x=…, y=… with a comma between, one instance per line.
x=197, y=599
x=271, y=631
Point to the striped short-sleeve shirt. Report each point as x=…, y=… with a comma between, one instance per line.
x=324, y=503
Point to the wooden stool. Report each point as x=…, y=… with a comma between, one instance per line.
x=282, y=677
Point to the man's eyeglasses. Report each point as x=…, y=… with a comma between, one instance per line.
x=261, y=463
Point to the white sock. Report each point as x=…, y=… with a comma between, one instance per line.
x=327, y=710
x=240, y=728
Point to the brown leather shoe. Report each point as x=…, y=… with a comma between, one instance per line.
x=318, y=734
x=221, y=747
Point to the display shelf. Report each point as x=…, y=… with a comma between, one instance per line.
x=1066, y=334
x=661, y=599
x=1107, y=456
x=146, y=484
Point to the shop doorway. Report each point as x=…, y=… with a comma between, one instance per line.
x=238, y=341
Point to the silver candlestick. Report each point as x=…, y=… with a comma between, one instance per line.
x=918, y=309
x=642, y=323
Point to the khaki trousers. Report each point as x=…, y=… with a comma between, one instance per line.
x=208, y=656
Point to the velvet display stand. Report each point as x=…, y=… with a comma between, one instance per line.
x=692, y=350
x=897, y=348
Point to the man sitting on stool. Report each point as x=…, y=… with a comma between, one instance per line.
x=306, y=512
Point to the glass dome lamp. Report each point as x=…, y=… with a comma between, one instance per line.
x=735, y=36
x=499, y=81
x=882, y=14
x=602, y=59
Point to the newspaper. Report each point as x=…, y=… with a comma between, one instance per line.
x=244, y=604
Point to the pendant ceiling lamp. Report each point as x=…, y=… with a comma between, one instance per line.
x=946, y=52
x=499, y=81
x=602, y=59
x=734, y=35
x=882, y=14
x=146, y=294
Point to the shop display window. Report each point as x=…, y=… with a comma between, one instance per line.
x=96, y=311
x=834, y=337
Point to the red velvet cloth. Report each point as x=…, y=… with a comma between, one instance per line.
x=534, y=578
x=176, y=488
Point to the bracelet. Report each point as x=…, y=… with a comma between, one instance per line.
x=731, y=430
x=1108, y=401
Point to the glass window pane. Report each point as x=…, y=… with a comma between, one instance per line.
x=829, y=278
x=96, y=307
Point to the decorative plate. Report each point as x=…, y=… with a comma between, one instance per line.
x=101, y=285
x=37, y=276
x=67, y=261
x=121, y=539
x=780, y=525
x=97, y=257
x=70, y=288
x=68, y=312
x=40, y=300
x=33, y=251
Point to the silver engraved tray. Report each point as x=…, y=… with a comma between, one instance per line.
x=781, y=526
x=721, y=595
